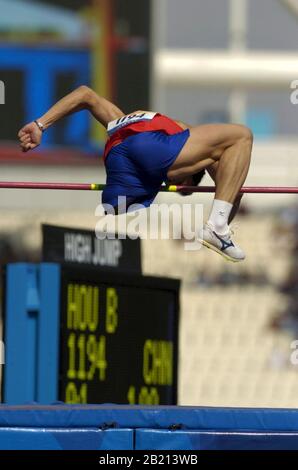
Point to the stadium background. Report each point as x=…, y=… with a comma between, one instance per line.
x=237, y=322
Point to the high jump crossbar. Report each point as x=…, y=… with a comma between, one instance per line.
x=167, y=189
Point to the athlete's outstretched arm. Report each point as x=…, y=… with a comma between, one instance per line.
x=82, y=98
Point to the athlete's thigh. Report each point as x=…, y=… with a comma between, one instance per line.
x=205, y=145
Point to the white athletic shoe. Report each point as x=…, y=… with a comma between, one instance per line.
x=221, y=244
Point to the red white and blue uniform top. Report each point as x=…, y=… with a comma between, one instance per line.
x=140, y=121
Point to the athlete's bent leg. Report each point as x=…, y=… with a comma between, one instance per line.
x=228, y=144
x=212, y=170
x=230, y=147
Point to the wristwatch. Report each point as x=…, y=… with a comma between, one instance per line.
x=40, y=126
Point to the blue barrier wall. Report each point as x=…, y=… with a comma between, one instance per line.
x=152, y=439
x=65, y=439
x=32, y=317
x=112, y=427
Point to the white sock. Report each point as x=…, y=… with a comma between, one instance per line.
x=219, y=216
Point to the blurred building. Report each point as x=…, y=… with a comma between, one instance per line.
x=267, y=26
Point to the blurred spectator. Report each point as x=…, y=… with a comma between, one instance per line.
x=7, y=251
x=288, y=319
x=228, y=277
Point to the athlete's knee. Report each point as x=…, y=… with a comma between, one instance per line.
x=245, y=134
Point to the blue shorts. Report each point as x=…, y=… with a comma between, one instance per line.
x=138, y=166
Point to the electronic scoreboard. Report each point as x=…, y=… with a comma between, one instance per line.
x=118, y=338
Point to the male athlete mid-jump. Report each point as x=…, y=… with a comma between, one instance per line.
x=145, y=149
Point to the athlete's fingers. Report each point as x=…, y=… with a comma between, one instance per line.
x=31, y=146
x=26, y=147
x=25, y=139
x=21, y=133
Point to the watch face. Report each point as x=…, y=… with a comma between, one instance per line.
x=39, y=125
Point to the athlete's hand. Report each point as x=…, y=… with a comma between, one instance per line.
x=188, y=182
x=194, y=180
x=30, y=137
